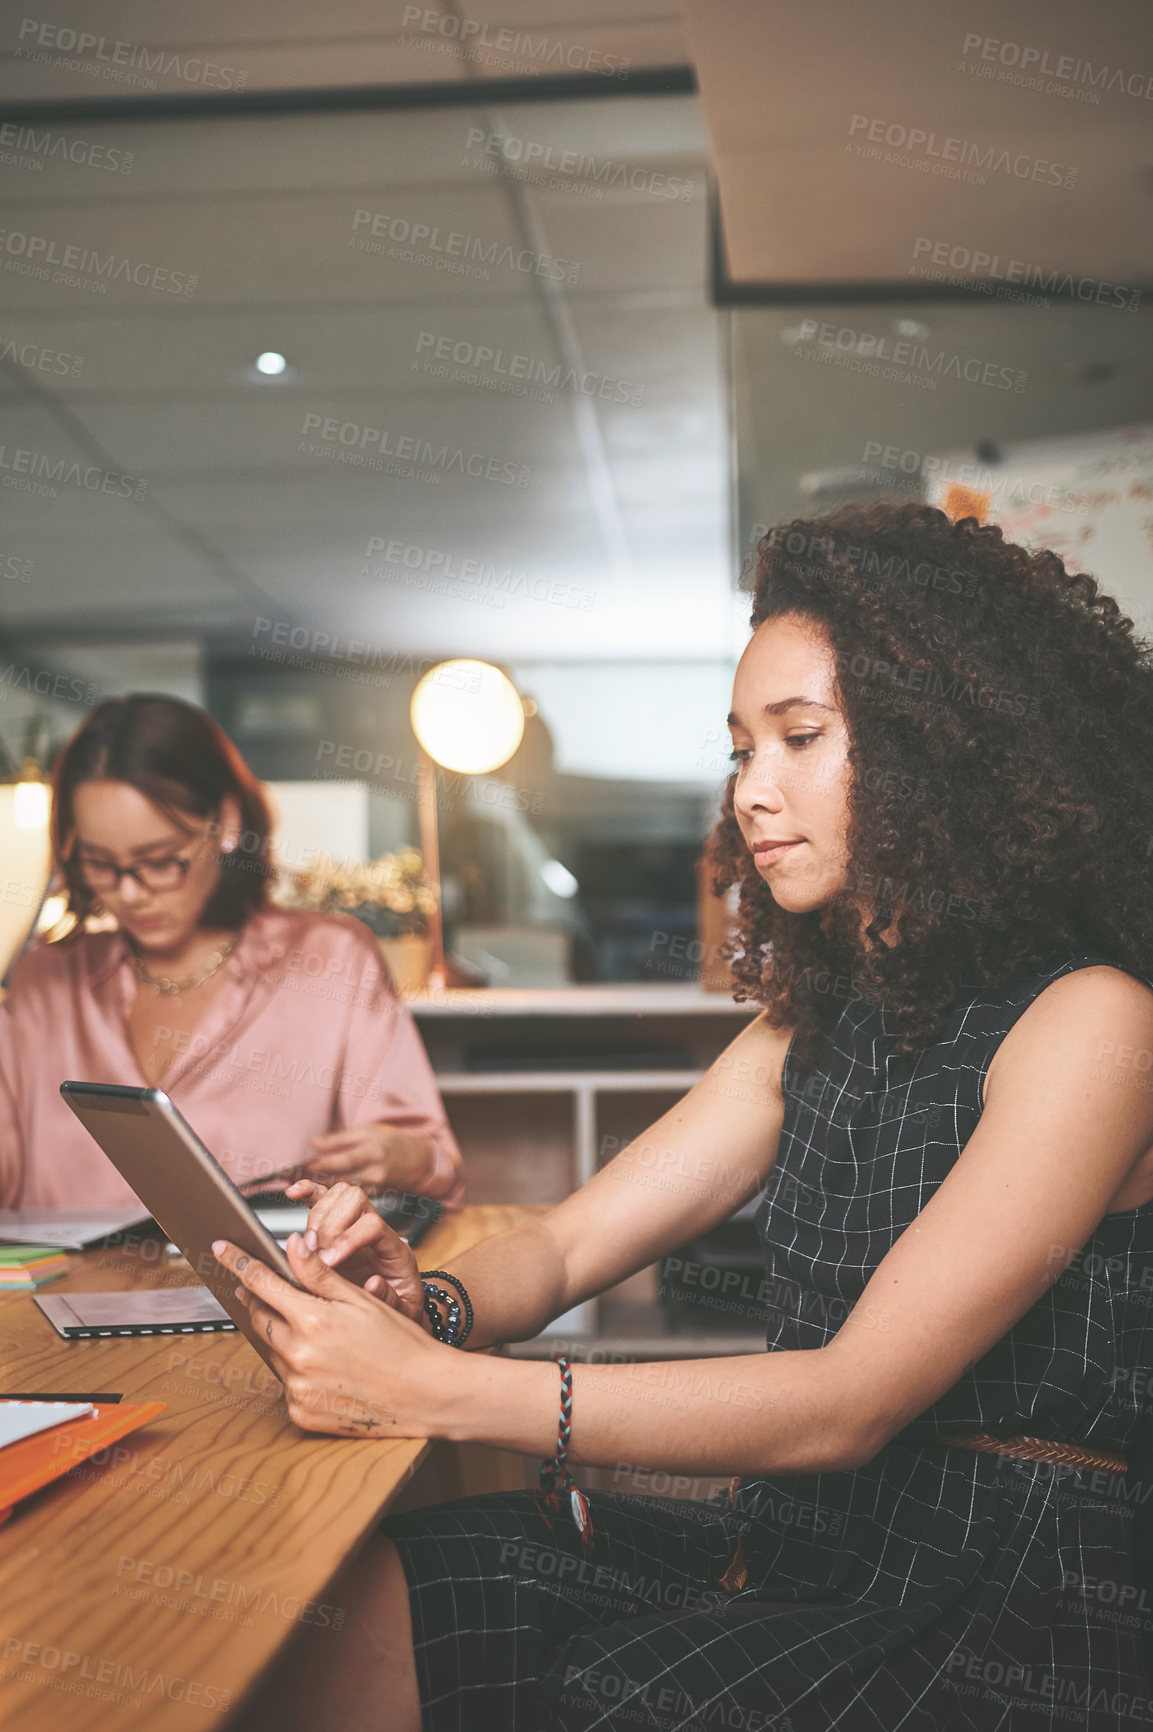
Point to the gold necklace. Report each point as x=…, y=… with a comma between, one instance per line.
x=168, y=988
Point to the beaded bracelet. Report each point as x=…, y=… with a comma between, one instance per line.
x=447, y=1328
x=443, y=1328
x=554, y=1474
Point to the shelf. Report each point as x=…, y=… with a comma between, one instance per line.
x=627, y=1348
x=623, y=999
x=627, y=1330
x=556, y=1082
x=544, y=1124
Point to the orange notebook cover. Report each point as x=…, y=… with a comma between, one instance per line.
x=36, y=1461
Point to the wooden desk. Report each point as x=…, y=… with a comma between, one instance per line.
x=151, y=1588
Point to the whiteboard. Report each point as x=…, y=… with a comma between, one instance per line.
x=1088, y=496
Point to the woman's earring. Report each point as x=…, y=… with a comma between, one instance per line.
x=229, y=846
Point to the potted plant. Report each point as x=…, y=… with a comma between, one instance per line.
x=392, y=895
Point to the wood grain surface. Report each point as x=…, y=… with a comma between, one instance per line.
x=151, y=1585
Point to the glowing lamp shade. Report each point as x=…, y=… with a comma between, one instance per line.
x=25, y=851
x=31, y=805
x=468, y=716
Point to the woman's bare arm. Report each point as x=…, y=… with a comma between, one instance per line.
x=1055, y=1143
x=1057, y=1140
x=695, y=1166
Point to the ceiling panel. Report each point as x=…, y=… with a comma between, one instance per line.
x=140, y=49
x=216, y=46
x=207, y=355
x=198, y=69
x=551, y=15
x=630, y=243
x=600, y=375
x=133, y=160
x=272, y=248
x=843, y=134
x=356, y=429
x=91, y=561
x=219, y=21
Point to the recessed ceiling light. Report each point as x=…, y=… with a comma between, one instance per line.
x=270, y=363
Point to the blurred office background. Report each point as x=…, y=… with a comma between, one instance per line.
x=337, y=342
x=539, y=380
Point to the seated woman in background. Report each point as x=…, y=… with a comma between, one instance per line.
x=279, y=1034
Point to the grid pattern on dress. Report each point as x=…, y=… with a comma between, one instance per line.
x=929, y=1588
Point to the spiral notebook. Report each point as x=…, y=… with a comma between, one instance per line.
x=158, y=1311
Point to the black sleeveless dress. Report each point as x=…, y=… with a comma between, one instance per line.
x=932, y=1588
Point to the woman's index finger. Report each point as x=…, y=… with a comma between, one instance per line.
x=335, y=1211
x=258, y=1277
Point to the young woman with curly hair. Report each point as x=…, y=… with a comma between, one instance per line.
x=940, y=820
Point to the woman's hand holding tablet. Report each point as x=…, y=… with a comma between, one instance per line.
x=348, y=1234
x=351, y=1364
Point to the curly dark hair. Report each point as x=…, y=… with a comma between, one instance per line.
x=1000, y=720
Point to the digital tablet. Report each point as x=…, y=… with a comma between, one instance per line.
x=186, y=1191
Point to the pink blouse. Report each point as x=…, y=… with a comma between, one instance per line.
x=306, y=1035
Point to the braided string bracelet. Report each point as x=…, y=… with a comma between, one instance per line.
x=555, y=1476
x=446, y=1328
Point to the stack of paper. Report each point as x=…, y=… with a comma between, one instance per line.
x=23, y=1267
x=20, y=1419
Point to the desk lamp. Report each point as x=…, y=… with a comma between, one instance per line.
x=468, y=717
x=25, y=806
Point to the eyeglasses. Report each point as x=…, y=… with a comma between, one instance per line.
x=104, y=875
x=157, y=875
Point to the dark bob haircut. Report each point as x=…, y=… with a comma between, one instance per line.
x=179, y=758
x=1000, y=720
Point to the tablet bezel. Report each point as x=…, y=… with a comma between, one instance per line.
x=213, y=1207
